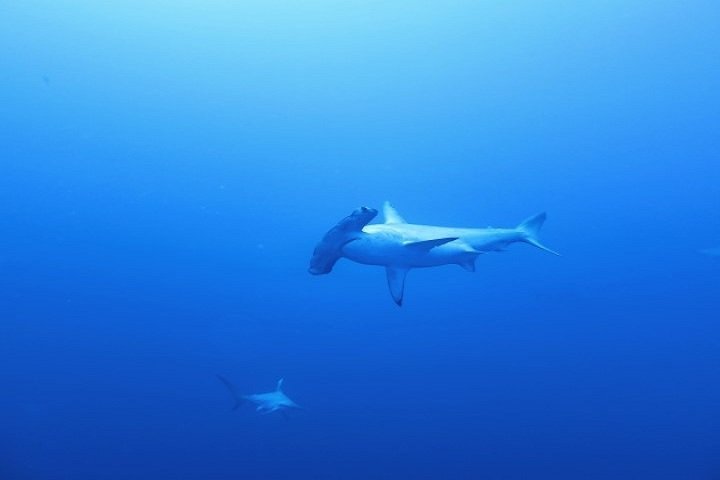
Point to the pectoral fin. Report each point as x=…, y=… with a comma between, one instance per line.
x=396, y=282
x=468, y=265
x=427, y=245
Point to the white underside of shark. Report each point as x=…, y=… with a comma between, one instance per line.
x=400, y=246
x=264, y=402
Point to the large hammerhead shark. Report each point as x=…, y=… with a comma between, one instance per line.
x=400, y=246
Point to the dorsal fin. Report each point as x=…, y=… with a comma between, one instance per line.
x=391, y=215
x=279, y=385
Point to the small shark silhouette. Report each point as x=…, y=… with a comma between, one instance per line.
x=265, y=402
x=399, y=246
x=712, y=252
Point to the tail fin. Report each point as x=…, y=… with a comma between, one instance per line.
x=238, y=399
x=530, y=228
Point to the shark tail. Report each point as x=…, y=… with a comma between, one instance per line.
x=231, y=388
x=530, y=229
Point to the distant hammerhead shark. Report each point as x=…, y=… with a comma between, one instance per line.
x=400, y=246
x=713, y=252
x=265, y=402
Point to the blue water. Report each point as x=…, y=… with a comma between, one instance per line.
x=167, y=167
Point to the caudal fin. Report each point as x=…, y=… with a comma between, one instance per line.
x=531, y=228
x=231, y=388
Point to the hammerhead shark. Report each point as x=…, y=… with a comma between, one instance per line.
x=265, y=402
x=400, y=246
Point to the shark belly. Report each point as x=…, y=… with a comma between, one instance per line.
x=491, y=240
x=391, y=250
x=374, y=250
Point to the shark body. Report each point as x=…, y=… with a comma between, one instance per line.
x=264, y=402
x=400, y=246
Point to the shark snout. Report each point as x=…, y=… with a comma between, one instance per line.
x=329, y=249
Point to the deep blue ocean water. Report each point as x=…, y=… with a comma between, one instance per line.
x=167, y=167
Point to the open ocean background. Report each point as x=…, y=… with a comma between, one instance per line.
x=167, y=167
